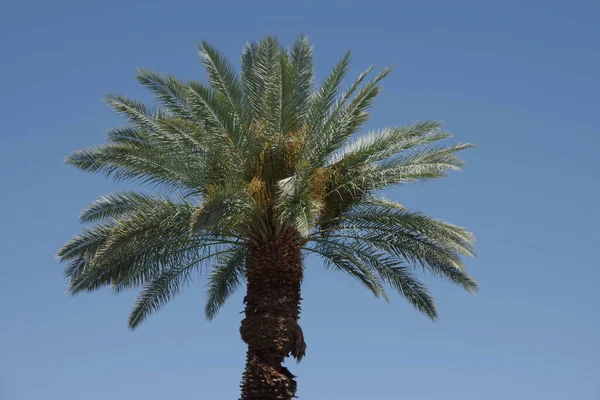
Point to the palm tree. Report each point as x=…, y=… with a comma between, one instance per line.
x=252, y=172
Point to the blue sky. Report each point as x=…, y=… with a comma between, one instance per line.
x=518, y=78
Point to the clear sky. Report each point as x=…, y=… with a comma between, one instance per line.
x=518, y=78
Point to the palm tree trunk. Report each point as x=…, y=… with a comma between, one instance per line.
x=270, y=329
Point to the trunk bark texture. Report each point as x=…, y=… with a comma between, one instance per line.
x=270, y=328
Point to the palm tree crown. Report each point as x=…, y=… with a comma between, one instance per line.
x=248, y=158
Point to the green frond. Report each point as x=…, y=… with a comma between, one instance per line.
x=175, y=135
x=381, y=202
x=250, y=82
x=418, y=239
x=390, y=141
x=153, y=234
x=169, y=91
x=220, y=122
x=344, y=97
x=159, y=292
x=415, y=250
x=136, y=266
x=301, y=59
x=268, y=74
x=377, y=214
x=151, y=220
x=382, y=266
x=343, y=259
x=443, y=158
x=127, y=134
x=74, y=268
x=183, y=140
x=182, y=136
x=142, y=267
x=321, y=101
x=352, y=116
x=401, y=279
x=291, y=121
x=117, y=204
x=301, y=214
x=296, y=206
x=226, y=276
x=440, y=261
x=175, y=151
x=197, y=116
x=262, y=83
x=136, y=161
x=214, y=116
x=398, y=277
x=167, y=285
x=421, y=165
x=84, y=245
x=343, y=122
x=226, y=209
x=136, y=112
x=223, y=78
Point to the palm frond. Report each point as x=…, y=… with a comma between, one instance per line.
x=227, y=209
x=84, y=245
x=344, y=97
x=290, y=116
x=223, y=78
x=425, y=164
x=322, y=100
x=152, y=220
x=138, y=162
x=127, y=134
x=343, y=259
x=140, y=239
x=378, y=214
x=143, y=266
x=390, y=141
x=117, y=204
x=302, y=63
x=344, y=121
x=267, y=70
x=159, y=292
x=416, y=251
x=405, y=283
x=381, y=202
x=382, y=266
x=226, y=276
x=214, y=116
x=169, y=90
x=343, y=124
x=162, y=289
x=435, y=245
x=136, y=112
x=295, y=206
x=250, y=82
